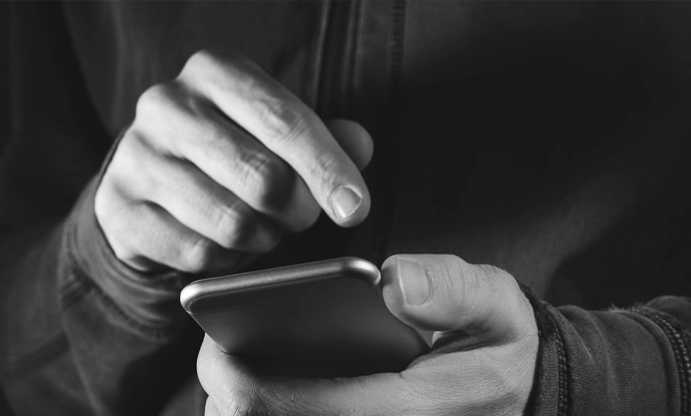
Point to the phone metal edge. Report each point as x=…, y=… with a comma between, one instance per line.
x=279, y=276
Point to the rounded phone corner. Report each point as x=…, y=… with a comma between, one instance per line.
x=361, y=268
x=188, y=295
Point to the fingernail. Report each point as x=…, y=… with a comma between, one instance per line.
x=414, y=282
x=344, y=202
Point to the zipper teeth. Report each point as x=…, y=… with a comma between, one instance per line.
x=680, y=348
x=386, y=210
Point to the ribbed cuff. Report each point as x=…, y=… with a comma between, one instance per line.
x=550, y=388
x=619, y=362
x=151, y=302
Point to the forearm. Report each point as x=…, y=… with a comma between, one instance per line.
x=90, y=332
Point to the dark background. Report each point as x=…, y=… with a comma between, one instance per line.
x=4, y=84
x=4, y=115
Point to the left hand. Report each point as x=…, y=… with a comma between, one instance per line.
x=482, y=361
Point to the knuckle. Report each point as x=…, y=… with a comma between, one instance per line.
x=154, y=99
x=498, y=279
x=235, y=226
x=207, y=61
x=280, y=119
x=129, y=173
x=456, y=269
x=117, y=220
x=212, y=136
x=198, y=255
x=121, y=247
x=265, y=177
x=240, y=62
x=199, y=60
x=462, y=282
x=127, y=154
x=109, y=207
x=323, y=168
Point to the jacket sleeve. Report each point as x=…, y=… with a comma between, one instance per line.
x=80, y=333
x=619, y=362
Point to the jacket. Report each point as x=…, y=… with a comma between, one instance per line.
x=549, y=139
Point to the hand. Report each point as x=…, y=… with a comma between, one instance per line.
x=219, y=164
x=482, y=361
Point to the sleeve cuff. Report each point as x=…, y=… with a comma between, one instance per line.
x=620, y=362
x=149, y=302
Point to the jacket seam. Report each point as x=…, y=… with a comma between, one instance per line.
x=546, y=319
x=318, y=62
x=356, y=22
x=384, y=219
x=679, y=340
x=82, y=286
x=564, y=395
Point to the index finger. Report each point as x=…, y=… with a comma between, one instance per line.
x=287, y=127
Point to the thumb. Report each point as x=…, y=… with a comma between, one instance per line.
x=444, y=293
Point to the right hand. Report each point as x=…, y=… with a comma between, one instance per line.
x=219, y=164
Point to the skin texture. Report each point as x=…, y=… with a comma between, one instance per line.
x=221, y=162
x=482, y=361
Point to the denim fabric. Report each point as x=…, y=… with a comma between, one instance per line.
x=550, y=139
x=619, y=362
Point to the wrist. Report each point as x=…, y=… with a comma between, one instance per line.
x=148, y=302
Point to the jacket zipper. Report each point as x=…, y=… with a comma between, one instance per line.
x=387, y=168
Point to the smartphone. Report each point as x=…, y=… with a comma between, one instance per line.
x=325, y=318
